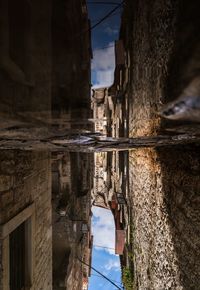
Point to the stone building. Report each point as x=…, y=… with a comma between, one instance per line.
x=71, y=58
x=110, y=185
x=25, y=220
x=44, y=81
x=25, y=82
x=110, y=113
x=111, y=191
x=100, y=191
x=161, y=39
x=110, y=105
x=157, y=61
x=72, y=239
x=25, y=62
x=118, y=94
x=100, y=108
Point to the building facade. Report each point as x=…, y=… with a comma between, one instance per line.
x=110, y=185
x=163, y=183
x=25, y=218
x=45, y=56
x=72, y=239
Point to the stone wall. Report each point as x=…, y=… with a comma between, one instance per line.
x=44, y=60
x=25, y=64
x=71, y=51
x=1, y=267
x=25, y=179
x=164, y=183
x=25, y=92
x=71, y=200
x=156, y=264
x=152, y=29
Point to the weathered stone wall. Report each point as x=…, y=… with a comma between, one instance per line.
x=71, y=52
x=25, y=63
x=44, y=60
x=181, y=187
x=165, y=201
x=1, y=267
x=25, y=88
x=152, y=36
x=156, y=262
x=25, y=178
x=71, y=208
x=164, y=183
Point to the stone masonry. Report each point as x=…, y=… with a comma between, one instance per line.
x=161, y=39
x=44, y=69
x=26, y=179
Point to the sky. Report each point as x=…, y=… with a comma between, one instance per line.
x=103, y=37
x=103, y=65
x=104, y=259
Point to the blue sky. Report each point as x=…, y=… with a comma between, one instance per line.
x=103, y=36
x=104, y=259
x=103, y=65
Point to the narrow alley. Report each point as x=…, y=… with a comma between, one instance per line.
x=99, y=145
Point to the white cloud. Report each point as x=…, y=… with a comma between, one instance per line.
x=111, y=31
x=103, y=66
x=104, y=59
x=113, y=264
x=104, y=79
x=103, y=229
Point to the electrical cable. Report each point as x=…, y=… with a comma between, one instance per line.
x=117, y=13
x=98, y=272
x=107, y=15
x=104, y=3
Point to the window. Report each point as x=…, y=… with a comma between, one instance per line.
x=17, y=239
x=17, y=258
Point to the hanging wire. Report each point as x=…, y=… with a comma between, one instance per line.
x=107, y=15
x=98, y=272
x=102, y=3
x=117, y=13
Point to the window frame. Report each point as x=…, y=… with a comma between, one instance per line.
x=28, y=216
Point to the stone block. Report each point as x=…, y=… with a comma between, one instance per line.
x=7, y=167
x=6, y=198
x=6, y=182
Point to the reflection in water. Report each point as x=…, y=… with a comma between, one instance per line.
x=72, y=239
x=26, y=198
x=110, y=191
x=47, y=188
x=61, y=220
x=45, y=213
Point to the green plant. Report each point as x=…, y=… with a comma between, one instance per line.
x=131, y=256
x=127, y=278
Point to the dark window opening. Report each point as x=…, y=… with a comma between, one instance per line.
x=17, y=258
x=19, y=26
